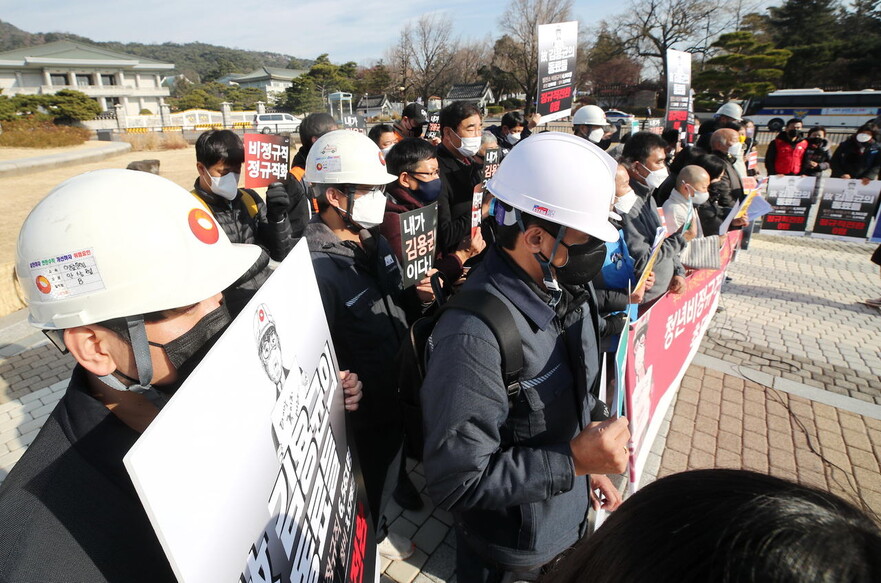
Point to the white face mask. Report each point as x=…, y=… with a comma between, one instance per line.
x=656, y=178
x=625, y=202
x=385, y=151
x=734, y=149
x=368, y=211
x=863, y=138
x=469, y=147
x=698, y=198
x=226, y=186
x=513, y=138
x=596, y=135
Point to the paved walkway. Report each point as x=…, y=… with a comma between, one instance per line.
x=786, y=382
x=18, y=166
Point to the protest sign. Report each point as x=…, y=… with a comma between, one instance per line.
x=432, y=131
x=476, y=210
x=662, y=343
x=557, y=47
x=247, y=474
x=791, y=198
x=266, y=159
x=356, y=123
x=845, y=210
x=679, y=92
x=418, y=242
x=876, y=233
x=491, y=160
x=660, y=235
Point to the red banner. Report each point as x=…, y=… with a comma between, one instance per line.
x=661, y=345
x=266, y=159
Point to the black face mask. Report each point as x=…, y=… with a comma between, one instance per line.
x=187, y=350
x=585, y=262
x=793, y=133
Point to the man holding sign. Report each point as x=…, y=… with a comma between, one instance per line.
x=133, y=292
x=241, y=212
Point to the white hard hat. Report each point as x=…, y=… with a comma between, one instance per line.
x=346, y=157
x=732, y=110
x=562, y=178
x=590, y=115
x=116, y=243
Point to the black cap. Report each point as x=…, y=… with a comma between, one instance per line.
x=416, y=112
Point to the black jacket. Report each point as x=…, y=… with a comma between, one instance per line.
x=360, y=291
x=458, y=180
x=240, y=226
x=856, y=160
x=68, y=510
x=817, y=151
x=506, y=471
x=723, y=196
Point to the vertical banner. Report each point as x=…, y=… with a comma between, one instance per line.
x=846, y=208
x=791, y=198
x=356, y=123
x=266, y=159
x=557, y=48
x=418, y=242
x=247, y=474
x=876, y=233
x=433, y=130
x=662, y=343
x=679, y=114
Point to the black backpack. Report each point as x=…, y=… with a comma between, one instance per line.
x=411, y=357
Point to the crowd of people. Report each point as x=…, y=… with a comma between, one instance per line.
x=565, y=232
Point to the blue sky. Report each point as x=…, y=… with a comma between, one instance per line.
x=348, y=30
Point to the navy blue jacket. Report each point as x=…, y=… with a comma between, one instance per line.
x=506, y=472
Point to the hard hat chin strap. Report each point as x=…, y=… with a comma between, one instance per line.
x=548, y=279
x=143, y=362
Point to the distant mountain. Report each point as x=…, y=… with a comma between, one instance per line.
x=198, y=61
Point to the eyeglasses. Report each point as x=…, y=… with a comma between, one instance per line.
x=433, y=174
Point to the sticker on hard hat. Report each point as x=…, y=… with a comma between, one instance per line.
x=203, y=226
x=67, y=275
x=543, y=210
x=328, y=164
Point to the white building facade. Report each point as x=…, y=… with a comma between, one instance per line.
x=108, y=77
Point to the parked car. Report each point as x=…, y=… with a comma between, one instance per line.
x=617, y=117
x=276, y=123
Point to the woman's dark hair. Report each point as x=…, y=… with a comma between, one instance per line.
x=869, y=126
x=453, y=114
x=640, y=145
x=714, y=165
x=817, y=129
x=406, y=155
x=512, y=119
x=216, y=145
x=728, y=526
x=379, y=129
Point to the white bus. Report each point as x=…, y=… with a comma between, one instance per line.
x=832, y=109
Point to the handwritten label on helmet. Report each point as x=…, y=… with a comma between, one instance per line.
x=67, y=275
x=543, y=210
x=203, y=226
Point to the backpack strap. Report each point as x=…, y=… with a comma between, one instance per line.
x=250, y=203
x=497, y=316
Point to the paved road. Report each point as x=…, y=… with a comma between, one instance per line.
x=787, y=382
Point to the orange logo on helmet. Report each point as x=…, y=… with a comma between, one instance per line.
x=319, y=167
x=203, y=226
x=43, y=284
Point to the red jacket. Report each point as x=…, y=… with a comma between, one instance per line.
x=788, y=156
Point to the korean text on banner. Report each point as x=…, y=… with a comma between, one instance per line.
x=557, y=48
x=418, y=242
x=247, y=473
x=662, y=343
x=432, y=131
x=846, y=208
x=791, y=198
x=679, y=114
x=267, y=159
